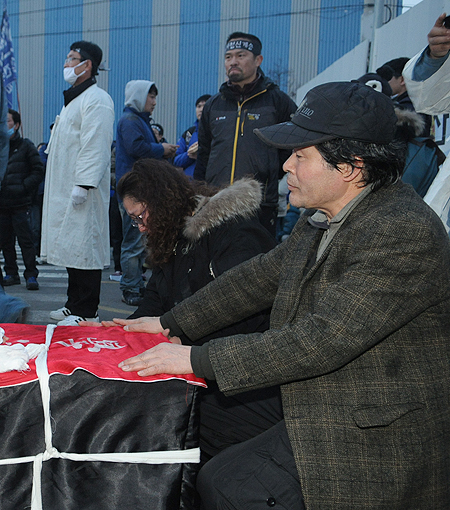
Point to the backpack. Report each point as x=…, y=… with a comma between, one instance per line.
x=187, y=135
x=423, y=158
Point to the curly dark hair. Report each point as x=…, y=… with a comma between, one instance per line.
x=382, y=163
x=169, y=197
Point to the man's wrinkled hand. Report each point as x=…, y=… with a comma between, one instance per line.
x=164, y=358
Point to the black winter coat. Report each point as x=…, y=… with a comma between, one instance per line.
x=229, y=147
x=222, y=233
x=24, y=173
x=211, y=244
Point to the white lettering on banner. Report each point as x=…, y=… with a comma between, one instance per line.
x=94, y=344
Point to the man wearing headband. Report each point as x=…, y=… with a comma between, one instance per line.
x=359, y=328
x=75, y=220
x=228, y=148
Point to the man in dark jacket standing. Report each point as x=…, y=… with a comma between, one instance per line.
x=228, y=148
x=24, y=173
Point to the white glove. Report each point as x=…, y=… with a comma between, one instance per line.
x=79, y=195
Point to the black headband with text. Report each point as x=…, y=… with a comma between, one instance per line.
x=242, y=44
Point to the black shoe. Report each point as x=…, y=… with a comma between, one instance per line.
x=32, y=283
x=131, y=298
x=11, y=280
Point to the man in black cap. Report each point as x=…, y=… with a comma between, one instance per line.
x=358, y=337
x=75, y=220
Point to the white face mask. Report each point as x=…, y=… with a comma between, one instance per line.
x=69, y=73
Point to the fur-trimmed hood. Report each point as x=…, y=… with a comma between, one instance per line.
x=240, y=200
x=410, y=120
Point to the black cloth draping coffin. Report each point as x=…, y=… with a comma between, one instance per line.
x=94, y=415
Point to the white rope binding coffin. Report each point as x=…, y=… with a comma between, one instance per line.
x=169, y=457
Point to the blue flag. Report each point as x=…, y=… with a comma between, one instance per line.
x=7, y=59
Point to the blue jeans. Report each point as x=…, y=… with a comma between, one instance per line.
x=10, y=307
x=132, y=254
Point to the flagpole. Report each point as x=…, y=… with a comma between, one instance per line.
x=18, y=107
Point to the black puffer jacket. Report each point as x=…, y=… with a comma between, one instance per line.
x=222, y=233
x=24, y=173
x=228, y=147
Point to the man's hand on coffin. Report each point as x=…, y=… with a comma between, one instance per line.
x=141, y=325
x=163, y=359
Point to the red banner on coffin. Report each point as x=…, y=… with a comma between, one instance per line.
x=96, y=350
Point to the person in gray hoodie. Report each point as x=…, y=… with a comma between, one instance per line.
x=135, y=140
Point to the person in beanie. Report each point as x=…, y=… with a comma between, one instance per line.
x=75, y=221
x=19, y=186
x=186, y=155
x=358, y=337
x=393, y=71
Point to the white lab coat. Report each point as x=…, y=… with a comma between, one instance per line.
x=79, y=153
x=432, y=96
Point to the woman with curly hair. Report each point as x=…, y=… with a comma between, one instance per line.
x=194, y=233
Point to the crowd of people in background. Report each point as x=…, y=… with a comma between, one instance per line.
x=278, y=248
x=211, y=150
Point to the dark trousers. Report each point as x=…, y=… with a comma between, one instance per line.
x=115, y=231
x=253, y=475
x=230, y=420
x=16, y=222
x=36, y=220
x=83, y=292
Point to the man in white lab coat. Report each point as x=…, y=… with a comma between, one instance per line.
x=75, y=228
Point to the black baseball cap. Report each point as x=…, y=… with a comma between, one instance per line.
x=335, y=110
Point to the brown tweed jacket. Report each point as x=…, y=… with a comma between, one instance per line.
x=360, y=344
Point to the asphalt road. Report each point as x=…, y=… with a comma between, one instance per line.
x=52, y=293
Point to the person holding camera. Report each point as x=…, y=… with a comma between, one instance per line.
x=427, y=80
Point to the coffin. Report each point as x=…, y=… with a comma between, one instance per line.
x=78, y=433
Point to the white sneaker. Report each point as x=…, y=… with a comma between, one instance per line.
x=73, y=320
x=60, y=314
x=116, y=277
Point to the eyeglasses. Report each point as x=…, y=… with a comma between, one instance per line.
x=70, y=59
x=138, y=220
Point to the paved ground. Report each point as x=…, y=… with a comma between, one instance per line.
x=52, y=294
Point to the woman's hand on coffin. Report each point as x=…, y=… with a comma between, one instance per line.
x=165, y=358
x=173, y=339
x=141, y=325
x=90, y=324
